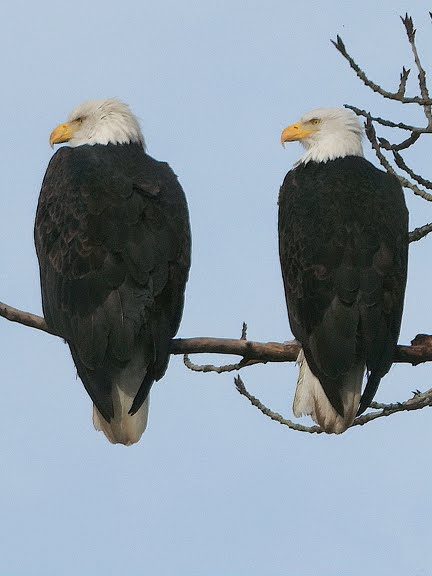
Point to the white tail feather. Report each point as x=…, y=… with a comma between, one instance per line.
x=123, y=428
x=311, y=400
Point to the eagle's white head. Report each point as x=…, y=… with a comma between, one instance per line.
x=99, y=122
x=326, y=133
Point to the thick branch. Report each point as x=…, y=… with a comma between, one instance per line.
x=26, y=318
x=419, y=351
x=261, y=351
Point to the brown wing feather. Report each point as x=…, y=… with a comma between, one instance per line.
x=343, y=242
x=113, y=241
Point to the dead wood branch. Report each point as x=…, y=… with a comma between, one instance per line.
x=399, y=95
x=371, y=136
x=418, y=402
x=381, y=145
x=420, y=232
x=252, y=352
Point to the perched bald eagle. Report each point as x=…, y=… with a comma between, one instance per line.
x=343, y=245
x=113, y=241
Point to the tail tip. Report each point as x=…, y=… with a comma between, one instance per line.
x=124, y=429
x=311, y=400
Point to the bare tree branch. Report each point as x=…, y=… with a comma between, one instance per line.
x=252, y=352
x=419, y=233
x=371, y=136
x=25, y=318
x=400, y=162
x=226, y=367
x=411, y=31
x=420, y=401
x=260, y=351
x=340, y=47
x=388, y=123
x=273, y=415
x=403, y=81
x=218, y=369
x=381, y=144
x=384, y=143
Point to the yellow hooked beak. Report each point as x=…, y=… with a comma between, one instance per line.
x=295, y=132
x=62, y=133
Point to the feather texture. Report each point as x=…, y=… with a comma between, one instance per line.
x=343, y=244
x=311, y=400
x=113, y=242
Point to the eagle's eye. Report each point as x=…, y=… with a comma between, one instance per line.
x=314, y=121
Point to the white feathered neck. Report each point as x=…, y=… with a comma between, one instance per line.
x=105, y=122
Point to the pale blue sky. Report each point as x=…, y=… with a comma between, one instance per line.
x=214, y=488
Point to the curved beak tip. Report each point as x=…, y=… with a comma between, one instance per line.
x=63, y=133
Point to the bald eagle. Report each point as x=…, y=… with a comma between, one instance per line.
x=343, y=246
x=113, y=242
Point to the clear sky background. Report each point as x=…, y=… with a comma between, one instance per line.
x=214, y=488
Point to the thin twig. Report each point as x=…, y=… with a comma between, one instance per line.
x=371, y=136
x=388, y=123
x=412, y=139
x=340, y=46
x=420, y=401
x=403, y=81
x=381, y=406
x=419, y=233
x=218, y=369
x=273, y=415
x=400, y=162
x=411, y=32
